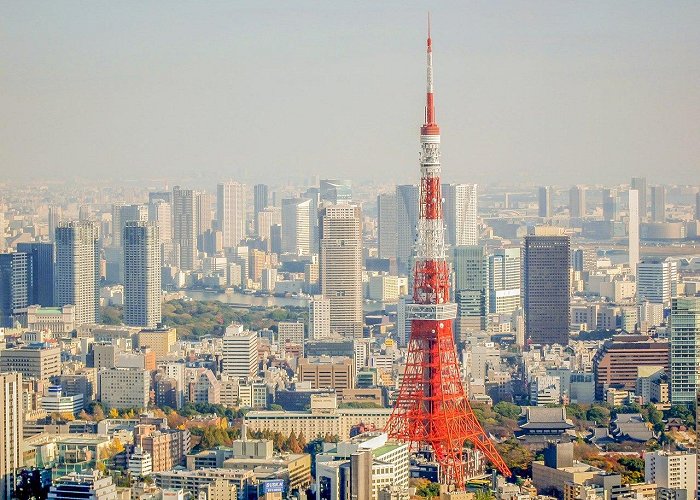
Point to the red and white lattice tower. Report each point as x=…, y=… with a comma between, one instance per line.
x=432, y=408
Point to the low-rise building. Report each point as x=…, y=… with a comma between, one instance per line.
x=324, y=418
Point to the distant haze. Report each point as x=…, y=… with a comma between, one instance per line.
x=539, y=91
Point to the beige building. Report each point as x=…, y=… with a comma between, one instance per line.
x=54, y=319
x=36, y=362
x=323, y=418
x=160, y=340
x=219, y=489
x=167, y=447
x=124, y=388
x=327, y=372
x=340, y=266
x=11, y=425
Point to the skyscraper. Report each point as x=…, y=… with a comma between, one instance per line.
x=11, y=416
x=160, y=213
x=577, y=201
x=319, y=317
x=685, y=349
x=231, y=212
x=611, y=205
x=185, y=227
x=504, y=280
x=296, y=226
x=658, y=203
x=260, y=201
x=656, y=281
x=265, y=219
x=546, y=294
x=640, y=184
x=54, y=219
x=387, y=234
x=142, y=274
x=633, y=230
x=471, y=287
x=41, y=261
x=460, y=209
x=15, y=286
x=78, y=269
x=544, y=201
x=697, y=205
x=336, y=191
x=407, y=220
x=121, y=214
x=240, y=353
x=340, y=266
x=205, y=215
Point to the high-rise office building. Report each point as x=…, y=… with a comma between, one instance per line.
x=121, y=214
x=459, y=210
x=546, y=294
x=185, y=227
x=658, y=203
x=387, y=233
x=697, y=205
x=471, y=287
x=231, y=212
x=544, y=201
x=504, y=280
x=15, y=286
x=319, y=317
x=685, y=349
x=611, y=205
x=265, y=219
x=160, y=213
x=633, y=230
x=142, y=274
x=54, y=218
x=407, y=220
x=657, y=280
x=340, y=266
x=577, y=201
x=260, y=201
x=11, y=416
x=296, y=226
x=336, y=191
x=240, y=353
x=41, y=261
x=166, y=196
x=640, y=184
x=205, y=213
x=77, y=276
x=313, y=194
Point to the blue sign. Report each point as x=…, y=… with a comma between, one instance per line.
x=274, y=486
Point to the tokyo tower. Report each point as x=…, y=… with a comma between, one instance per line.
x=432, y=409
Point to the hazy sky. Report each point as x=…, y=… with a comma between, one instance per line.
x=557, y=92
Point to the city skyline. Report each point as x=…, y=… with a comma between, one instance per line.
x=534, y=93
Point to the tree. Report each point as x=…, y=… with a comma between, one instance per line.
x=98, y=413
x=113, y=413
x=427, y=489
x=507, y=410
x=598, y=414
x=517, y=457
x=292, y=444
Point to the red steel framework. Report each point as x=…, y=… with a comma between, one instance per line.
x=432, y=408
